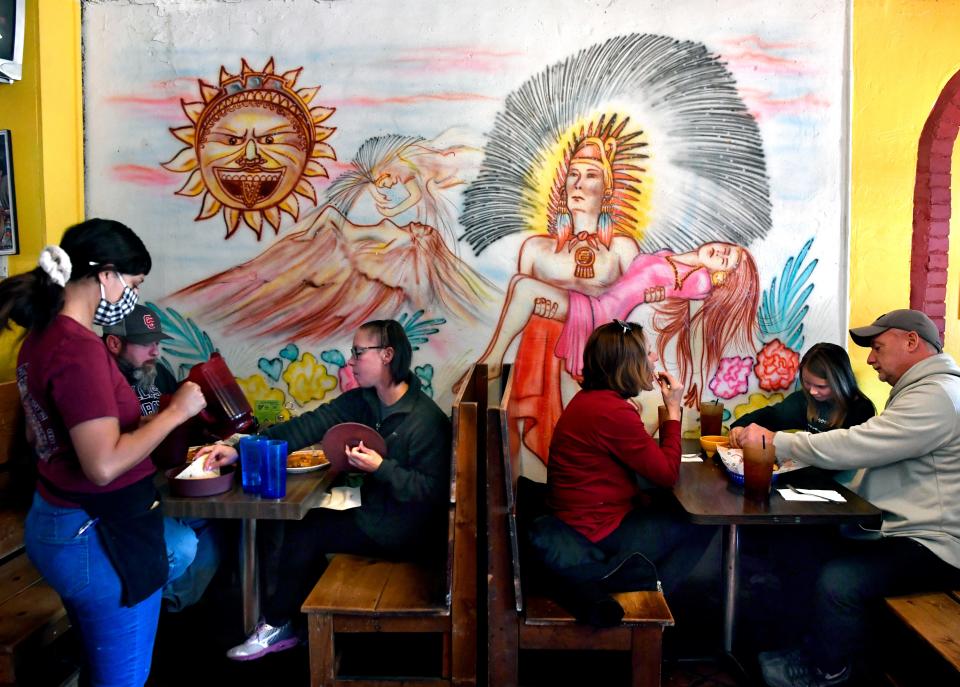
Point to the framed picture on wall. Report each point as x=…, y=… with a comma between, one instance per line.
x=9, y=238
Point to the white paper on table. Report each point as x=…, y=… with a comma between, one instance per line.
x=341, y=498
x=797, y=494
x=690, y=458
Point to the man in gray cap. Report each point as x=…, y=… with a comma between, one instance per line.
x=192, y=547
x=909, y=462
x=135, y=344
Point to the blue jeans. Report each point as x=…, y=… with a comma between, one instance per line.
x=194, y=554
x=117, y=640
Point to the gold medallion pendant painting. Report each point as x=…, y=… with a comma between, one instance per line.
x=252, y=143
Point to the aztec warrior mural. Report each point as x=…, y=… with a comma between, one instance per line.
x=500, y=193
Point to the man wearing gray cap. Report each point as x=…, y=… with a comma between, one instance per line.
x=909, y=462
x=192, y=547
x=134, y=343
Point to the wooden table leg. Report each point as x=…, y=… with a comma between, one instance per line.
x=249, y=575
x=731, y=584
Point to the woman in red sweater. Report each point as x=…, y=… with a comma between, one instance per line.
x=603, y=535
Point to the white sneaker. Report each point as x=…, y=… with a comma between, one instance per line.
x=265, y=639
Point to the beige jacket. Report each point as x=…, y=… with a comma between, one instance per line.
x=909, y=455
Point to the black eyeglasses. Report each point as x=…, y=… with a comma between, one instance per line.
x=357, y=351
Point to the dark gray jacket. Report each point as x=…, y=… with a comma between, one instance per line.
x=404, y=503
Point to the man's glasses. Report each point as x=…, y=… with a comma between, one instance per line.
x=357, y=351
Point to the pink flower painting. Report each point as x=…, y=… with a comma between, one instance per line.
x=732, y=377
x=776, y=366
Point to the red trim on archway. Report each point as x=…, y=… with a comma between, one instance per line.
x=931, y=206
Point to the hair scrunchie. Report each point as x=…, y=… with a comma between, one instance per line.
x=56, y=263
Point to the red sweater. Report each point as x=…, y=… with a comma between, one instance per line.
x=598, y=444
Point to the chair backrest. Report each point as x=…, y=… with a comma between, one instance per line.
x=509, y=454
x=11, y=421
x=462, y=591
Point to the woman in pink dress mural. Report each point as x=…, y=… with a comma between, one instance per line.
x=723, y=277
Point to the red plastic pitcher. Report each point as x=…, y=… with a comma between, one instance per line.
x=227, y=410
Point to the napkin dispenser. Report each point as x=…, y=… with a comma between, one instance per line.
x=228, y=411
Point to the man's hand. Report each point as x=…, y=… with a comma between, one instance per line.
x=754, y=434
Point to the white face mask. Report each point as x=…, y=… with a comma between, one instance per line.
x=108, y=313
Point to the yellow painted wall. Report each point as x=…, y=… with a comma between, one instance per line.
x=904, y=52
x=44, y=112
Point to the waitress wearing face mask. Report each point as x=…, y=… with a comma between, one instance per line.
x=95, y=530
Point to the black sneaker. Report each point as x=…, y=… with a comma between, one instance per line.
x=792, y=668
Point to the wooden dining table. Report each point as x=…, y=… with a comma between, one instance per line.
x=709, y=497
x=304, y=491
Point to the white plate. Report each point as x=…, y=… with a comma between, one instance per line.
x=310, y=468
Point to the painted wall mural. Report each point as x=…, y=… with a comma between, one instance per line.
x=501, y=184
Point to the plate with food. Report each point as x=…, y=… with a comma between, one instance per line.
x=733, y=463
x=306, y=460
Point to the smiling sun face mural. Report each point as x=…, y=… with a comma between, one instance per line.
x=251, y=144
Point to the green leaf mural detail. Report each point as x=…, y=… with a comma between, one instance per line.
x=783, y=307
x=189, y=342
x=418, y=331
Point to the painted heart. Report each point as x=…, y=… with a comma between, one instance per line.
x=290, y=352
x=424, y=372
x=271, y=368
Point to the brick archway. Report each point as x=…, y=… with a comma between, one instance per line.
x=931, y=206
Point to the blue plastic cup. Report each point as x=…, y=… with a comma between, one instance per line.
x=273, y=475
x=252, y=455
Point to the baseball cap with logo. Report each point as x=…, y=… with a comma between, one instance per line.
x=907, y=320
x=142, y=326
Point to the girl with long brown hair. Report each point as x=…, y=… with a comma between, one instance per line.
x=829, y=398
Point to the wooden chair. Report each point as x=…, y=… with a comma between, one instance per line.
x=357, y=594
x=519, y=620
x=934, y=618
x=31, y=614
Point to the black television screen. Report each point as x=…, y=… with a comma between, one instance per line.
x=12, y=22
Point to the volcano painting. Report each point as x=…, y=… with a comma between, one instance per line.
x=330, y=275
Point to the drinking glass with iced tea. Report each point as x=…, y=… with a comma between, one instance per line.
x=758, y=460
x=711, y=419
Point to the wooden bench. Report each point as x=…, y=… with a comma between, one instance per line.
x=31, y=614
x=361, y=595
x=934, y=618
x=518, y=619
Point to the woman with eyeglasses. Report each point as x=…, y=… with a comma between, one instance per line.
x=602, y=535
x=829, y=398
x=95, y=529
x=404, y=494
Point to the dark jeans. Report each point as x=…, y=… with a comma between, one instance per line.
x=849, y=592
x=578, y=566
x=303, y=557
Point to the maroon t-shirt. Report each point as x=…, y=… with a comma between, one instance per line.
x=598, y=444
x=66, y=376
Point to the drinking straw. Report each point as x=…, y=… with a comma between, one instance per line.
x=763, y=442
